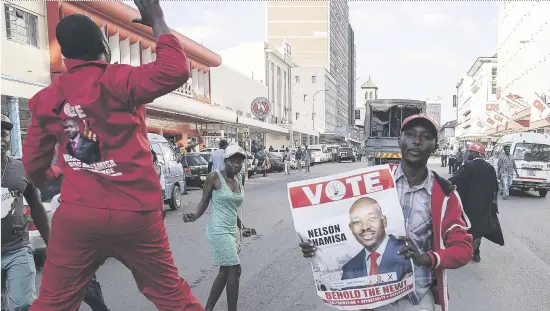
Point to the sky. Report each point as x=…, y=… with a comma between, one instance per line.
x=411, y=50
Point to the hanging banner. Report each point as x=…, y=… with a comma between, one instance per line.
x=353, y=219
x=540, y=109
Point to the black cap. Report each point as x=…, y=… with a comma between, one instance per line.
x=78, y=36
x=6, y=123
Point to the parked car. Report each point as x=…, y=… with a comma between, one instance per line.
x=196, y=169
x=174, y=177
x=346, y=154
x=276, y=161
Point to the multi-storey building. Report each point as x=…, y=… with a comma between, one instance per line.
x=433, y=108
x=476, y=95
x=318, y=32
x=271, y=66
x=352, y=76
x=524, y=65
x=314, y=97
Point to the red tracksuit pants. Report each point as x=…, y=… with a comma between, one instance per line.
x=82, y=238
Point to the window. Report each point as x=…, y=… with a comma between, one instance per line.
x=297, y=78
x=313, y=79
x=21, y=26
x=195, y=160
x=494, y=80
x=278, y=74
x=305, y=98
x=201, y=83
x=370, y=95
x=195, y=79
x=207, y=84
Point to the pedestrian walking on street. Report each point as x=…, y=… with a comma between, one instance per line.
x=287, y=157
x=506, y=167
x=459, y=159
x=307, y=158
x=299, y=156
x=225, y=194
x=477, y=185
x=437, y=234
x=451, y=160
x=444, y=155
x=217, y=158
x=334, y=154
x=18, y=266
x=110, y=208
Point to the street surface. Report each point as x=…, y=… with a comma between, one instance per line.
x=275, y=277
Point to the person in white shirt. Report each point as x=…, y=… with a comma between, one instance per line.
x=217, y=158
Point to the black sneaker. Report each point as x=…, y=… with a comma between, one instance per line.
x=476, y=258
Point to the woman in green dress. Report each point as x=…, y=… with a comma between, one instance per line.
x=225, y=192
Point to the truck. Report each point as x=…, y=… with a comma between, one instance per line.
x=383, y=118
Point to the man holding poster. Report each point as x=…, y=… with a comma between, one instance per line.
x=436, y=236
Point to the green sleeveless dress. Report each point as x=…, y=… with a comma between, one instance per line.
x=221, y=231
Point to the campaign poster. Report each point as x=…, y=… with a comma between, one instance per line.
x=353, y=219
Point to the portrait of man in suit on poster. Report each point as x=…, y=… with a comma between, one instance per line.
x=80, y=146
x=379, y=254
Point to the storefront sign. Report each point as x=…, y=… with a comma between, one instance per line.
x=260, y=107
x=206, y=133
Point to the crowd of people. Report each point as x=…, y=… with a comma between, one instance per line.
x=116, y=212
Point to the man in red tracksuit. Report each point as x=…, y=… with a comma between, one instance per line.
x=433, y=214
x=111, y=205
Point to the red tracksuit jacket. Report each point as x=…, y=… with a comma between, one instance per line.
x=96, y=114
x=452, y=245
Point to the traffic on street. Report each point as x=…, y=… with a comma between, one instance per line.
x=276, y=277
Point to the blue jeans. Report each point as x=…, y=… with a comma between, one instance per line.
x=20, y=278
x=506, y=183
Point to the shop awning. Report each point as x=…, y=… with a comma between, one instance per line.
x=186, y=106
x=262, y=126
x=16, y=87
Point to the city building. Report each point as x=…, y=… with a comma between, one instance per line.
x=234, y=93
x=352, y=76
x=476, y=92
x=25, y=62
x=318, y=32
x=523, y=81
x=446, y=137
x=271, y=66
x=314, y=97
x=433, y=108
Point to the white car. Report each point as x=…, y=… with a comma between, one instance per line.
x=208, y=149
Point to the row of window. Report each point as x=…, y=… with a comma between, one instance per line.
x=313, y=79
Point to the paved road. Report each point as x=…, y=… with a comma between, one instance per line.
x=276, y=278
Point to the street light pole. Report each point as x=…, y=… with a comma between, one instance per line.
x=313, y=102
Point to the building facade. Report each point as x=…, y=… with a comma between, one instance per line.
x=318, y=32
x=234, y=92
x=524, y=66
x=352, y=76
x=476, y=95
x=314, y=99
x=25, y=62
x=273, y=67
x=433, y=108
